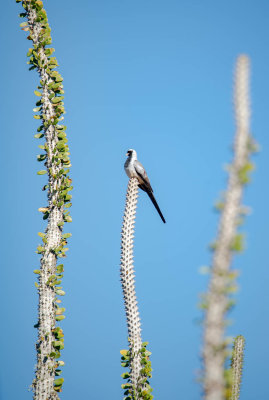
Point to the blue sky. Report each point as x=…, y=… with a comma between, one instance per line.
x=156, y=76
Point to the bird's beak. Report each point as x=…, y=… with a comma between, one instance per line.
x=127, y=154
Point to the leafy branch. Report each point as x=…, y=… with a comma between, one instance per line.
x=55, y=156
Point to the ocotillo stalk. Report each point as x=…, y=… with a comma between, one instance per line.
x=237, y=366
x=218, y=297
x=56, y=158
x=137, y=386
x=127, y=281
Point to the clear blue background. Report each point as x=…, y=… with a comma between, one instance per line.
x=156, y=76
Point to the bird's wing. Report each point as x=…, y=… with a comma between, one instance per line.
x=144, y=180
x=145, y=185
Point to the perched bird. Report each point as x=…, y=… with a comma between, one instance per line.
x=134, y=169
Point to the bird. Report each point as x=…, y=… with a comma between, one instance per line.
x=134, y=169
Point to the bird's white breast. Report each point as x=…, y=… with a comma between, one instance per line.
x=129, y=168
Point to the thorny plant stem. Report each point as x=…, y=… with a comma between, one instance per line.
x=56, y=158
x=217, y=298
x=237, y=366
x=128, y=282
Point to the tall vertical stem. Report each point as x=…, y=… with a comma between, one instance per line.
x=217, y=298
x=128, y=282
x=237, y=366
x=50, y=109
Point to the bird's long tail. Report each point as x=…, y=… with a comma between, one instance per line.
x=152, y=198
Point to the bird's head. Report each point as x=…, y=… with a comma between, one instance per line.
x=131, y=153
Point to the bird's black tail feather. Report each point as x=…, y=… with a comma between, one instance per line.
x=152, y=198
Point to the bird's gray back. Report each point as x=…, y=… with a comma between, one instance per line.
x=142, y=173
